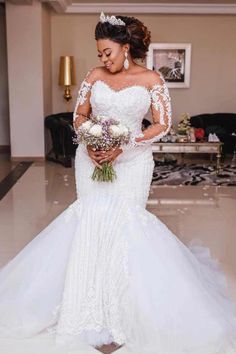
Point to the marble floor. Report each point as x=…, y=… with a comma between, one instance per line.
x=46, y=189
x=6, y=165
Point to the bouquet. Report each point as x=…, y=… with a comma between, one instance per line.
x=103, y=133
x=184, y=125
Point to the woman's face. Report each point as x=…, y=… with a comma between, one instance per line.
x=111, y=54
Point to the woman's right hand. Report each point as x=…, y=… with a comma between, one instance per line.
x=95, y=156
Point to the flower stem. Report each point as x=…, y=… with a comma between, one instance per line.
x=105, y=174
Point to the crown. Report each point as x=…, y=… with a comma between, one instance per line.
x=111, y=19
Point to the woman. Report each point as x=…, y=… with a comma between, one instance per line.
x=106, y=270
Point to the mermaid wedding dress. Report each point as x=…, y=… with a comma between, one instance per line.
x=107, y=270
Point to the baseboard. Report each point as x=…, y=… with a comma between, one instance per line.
x=5, y=148
x=28, y=158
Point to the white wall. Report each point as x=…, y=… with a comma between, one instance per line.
x=213, y=78
x=4, y=105
x=25, y=68
x=47, y=68
x=40, y=37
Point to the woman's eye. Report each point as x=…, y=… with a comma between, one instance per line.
x=107, y=55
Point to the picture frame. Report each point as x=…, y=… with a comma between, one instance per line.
x=173, y=60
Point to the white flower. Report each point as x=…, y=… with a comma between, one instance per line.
x=96, y=130
x=115, y=130
x=101, y=118
x=124, y=130
x=86, y=125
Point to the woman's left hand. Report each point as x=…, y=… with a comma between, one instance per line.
x=110, y=155
x=138, y=139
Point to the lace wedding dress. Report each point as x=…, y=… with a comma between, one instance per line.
x=107, y=270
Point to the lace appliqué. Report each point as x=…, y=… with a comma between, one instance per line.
x=161, y=104
x=92, y=301
x=85, y=88
x=132, y=143
x=82, y=96
x=161, y=100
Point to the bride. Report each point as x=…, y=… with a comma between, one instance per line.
x=106, y=270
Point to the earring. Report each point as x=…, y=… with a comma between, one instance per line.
x=126, y=62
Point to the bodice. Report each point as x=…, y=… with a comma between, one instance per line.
x=129, y=105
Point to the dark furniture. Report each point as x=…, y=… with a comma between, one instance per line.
x=62, y=133
x=203, y=147
x=222, y=124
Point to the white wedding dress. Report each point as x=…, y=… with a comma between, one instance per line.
x=107, y=270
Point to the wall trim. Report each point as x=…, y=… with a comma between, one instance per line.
x=21, y=2
x=59, y=6
x=28, y=158
x=158, y=8
x=67, y=6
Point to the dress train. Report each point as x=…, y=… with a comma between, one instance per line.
x=128, y=279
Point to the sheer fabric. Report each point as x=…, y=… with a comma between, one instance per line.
x=83, y=95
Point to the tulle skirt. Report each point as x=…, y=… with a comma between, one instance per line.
x=107, y=270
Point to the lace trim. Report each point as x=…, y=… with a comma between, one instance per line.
x=161, y=102
x=122, y=88
x=132, y=143
x=159, y=93
x=82, y=96
x=88, y=313
x=84, y=89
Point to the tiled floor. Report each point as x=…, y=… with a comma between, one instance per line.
x=5, y=165
x=46, y=189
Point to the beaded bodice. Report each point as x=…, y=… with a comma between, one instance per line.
x=129, y=104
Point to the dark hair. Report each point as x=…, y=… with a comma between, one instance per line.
x=134, y=33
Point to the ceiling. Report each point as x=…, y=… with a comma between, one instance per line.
x=138, y=6
x=157, y=2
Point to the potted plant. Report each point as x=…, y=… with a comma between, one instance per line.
x=183, y=127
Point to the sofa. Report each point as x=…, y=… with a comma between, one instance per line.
x=222, y=124
x=61, y=132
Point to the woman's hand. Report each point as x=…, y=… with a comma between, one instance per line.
x=110, y=155
x=98, y=157
x=94, y=155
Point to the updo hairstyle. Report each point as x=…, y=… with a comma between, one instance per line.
x=134, y=33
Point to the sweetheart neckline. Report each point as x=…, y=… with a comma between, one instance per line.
x=122, y=89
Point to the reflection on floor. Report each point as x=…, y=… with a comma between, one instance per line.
x=12, y=177
x=46, y=189
x=6, y=165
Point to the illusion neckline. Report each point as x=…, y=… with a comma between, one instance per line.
x=122, y=89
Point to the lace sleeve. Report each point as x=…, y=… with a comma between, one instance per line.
x=161, y=110
x=82, y=106
x=161, y=116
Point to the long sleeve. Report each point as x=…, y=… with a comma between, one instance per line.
x=161, y=110
x=161, y=116
x=82, y=106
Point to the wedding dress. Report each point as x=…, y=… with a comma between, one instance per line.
x=107, y=270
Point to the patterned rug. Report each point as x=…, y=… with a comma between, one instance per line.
x=192, y=174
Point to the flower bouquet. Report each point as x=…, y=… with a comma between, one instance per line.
x=184, y=124
x=103, y=133
x=183, y=128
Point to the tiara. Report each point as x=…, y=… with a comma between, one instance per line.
x=111, y=19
